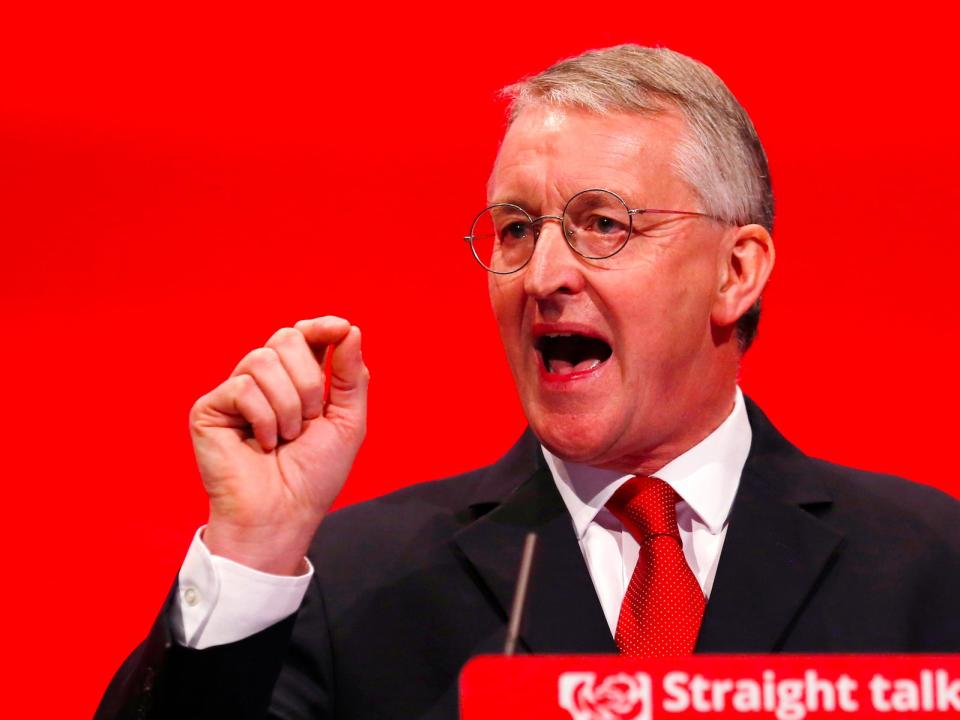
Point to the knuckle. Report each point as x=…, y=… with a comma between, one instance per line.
x=291, y=406
x=314, y=389
x=312, y=400
x=312, y=379
x=284, y=337
x=262, y=357
x=311, y=391
x=262, y=420
x=197, y=408
x=243, y=384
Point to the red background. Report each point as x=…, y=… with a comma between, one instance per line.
x=175, y=184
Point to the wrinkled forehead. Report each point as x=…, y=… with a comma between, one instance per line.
x=567, y=149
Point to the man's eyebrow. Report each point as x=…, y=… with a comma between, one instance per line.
x=509, y=200
x=521, y=202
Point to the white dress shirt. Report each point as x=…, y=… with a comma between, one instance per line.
x=706, y=478
x=219, y=601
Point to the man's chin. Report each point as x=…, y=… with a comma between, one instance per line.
x=583, y=443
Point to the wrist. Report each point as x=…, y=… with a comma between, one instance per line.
x=277, y=551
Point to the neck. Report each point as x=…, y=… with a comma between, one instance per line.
x=695, y=417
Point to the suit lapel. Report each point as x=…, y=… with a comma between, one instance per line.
x=563, y=614
x=775, y=551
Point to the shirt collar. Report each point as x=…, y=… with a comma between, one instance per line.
x=705, y=477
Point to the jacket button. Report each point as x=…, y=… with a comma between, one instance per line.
x=148, y=677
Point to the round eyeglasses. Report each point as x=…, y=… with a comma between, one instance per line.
x=596, y=224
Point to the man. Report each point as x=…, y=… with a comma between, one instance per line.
x=627, y=242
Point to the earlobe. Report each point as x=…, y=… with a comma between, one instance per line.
x=745, y=267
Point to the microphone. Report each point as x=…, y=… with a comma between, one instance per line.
x=520, y=594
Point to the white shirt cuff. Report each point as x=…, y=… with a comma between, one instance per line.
x=220, y=601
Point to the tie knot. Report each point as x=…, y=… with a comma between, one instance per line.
x=646, y=506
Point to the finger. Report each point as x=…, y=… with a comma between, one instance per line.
x=349, y=377
x=303, y=367
x=322, y=331
x=264, y=366
x=241, y=398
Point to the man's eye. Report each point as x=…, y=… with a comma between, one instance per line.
x=605, y=225
x=514, y=231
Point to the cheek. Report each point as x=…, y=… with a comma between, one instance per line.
x=666, y=321
x=693, y=282
x=497, y=300
x=507, y=305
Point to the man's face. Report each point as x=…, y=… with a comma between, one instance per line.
x=640, y=377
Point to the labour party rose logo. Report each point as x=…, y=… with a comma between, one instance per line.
x=623, y=696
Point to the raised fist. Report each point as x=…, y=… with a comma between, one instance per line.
x=273, y=452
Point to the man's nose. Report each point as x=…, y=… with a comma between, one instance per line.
x=554, y=267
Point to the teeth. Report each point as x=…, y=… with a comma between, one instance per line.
x=566, y=368
x=567, y=353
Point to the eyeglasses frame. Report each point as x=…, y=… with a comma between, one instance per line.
x=567, y=233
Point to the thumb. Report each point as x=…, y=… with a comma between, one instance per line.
x=349, y=377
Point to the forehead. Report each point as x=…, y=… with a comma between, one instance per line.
x=550, y=151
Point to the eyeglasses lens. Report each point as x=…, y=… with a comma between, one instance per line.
x=503, y=238
x=596, y=223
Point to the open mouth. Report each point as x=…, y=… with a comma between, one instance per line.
x=569, y=353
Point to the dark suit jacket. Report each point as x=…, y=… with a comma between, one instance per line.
x=817, y=558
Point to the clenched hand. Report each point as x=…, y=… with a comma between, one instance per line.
x=273, y=452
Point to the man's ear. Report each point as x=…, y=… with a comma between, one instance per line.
x=746, y=261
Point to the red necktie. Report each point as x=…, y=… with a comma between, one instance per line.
x=663, y=606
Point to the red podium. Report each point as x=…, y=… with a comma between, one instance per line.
x=783, y=687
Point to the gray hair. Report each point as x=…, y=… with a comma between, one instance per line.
x=721, y=157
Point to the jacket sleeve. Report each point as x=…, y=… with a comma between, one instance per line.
x=267, y=675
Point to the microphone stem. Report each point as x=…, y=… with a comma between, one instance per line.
x=520, y=596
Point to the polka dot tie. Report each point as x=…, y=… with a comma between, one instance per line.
x=664, y=604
